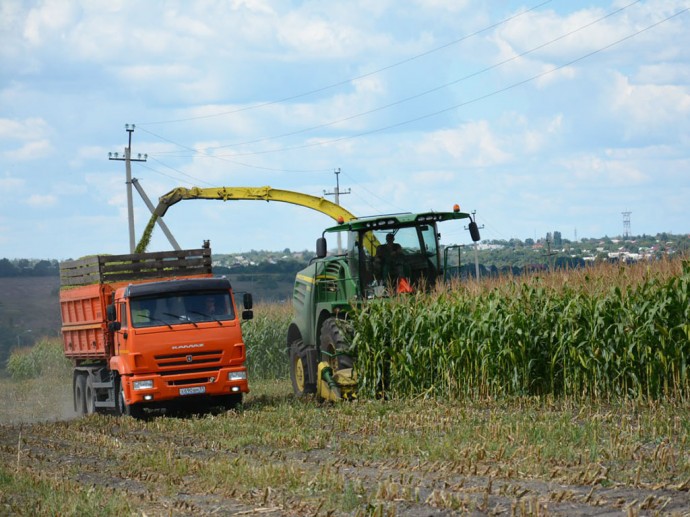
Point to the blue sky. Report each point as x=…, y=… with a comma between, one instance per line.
x=542, y=116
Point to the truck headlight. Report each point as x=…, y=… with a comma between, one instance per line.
x=237, y=376
x=143, y=385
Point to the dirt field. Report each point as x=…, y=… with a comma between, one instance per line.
x=279, y=456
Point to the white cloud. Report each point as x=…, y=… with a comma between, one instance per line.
x=452, y=6
x=31, y=151
x=51, y=18
x=596, y=172
x=314, y=35
x=9, y=185
x=257, y=6
x=648, y=106
x=472, y=145
x=41, y=200
x=27, y=129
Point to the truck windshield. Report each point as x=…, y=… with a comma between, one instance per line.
x=181, y=308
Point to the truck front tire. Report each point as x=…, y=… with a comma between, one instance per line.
x=121, y=407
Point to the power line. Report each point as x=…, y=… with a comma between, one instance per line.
x=356, y=78
x=466, y=103
x=432, y=90
x=400, y=101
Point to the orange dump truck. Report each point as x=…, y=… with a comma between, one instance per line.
x=152, y=330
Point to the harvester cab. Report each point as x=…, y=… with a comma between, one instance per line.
x=385, y=255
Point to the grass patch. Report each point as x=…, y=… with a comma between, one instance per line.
x=303, y=457
x=26, y=492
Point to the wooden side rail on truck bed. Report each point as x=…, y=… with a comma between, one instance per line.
x=136, y=266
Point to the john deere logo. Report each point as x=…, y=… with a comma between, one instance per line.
x=189, y=358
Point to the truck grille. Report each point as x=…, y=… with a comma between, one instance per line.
x=195, y=359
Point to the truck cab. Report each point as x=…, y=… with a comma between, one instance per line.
x=177, y=338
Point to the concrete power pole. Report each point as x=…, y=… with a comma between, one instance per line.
x=127, y=158
x=337, y=193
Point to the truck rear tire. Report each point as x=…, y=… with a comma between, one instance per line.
x=79, y=392
x=299, y=370
x=90, y=396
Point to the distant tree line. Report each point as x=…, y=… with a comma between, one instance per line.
x=26, y=267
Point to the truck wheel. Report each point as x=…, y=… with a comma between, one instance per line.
x=336, y=336
x=121, y=407
x=90, y=396
x=79, y=389
x=299, y=370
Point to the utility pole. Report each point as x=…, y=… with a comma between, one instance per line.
x=550, y=254
x=127, y=158
x=337, y=193
x=159, y=220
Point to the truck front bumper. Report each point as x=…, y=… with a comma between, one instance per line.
x=142, y=388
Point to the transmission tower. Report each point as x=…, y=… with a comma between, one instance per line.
x=626, y=224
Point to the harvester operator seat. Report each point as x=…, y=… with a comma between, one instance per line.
x=388, y=261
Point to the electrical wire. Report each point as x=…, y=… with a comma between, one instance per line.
x=356, y=78
x=462, y=104
x=432, y=90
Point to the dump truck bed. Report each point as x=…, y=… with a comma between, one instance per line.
x=84, y=326
x=87, y=286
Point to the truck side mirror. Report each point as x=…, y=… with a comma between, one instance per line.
x=321, y=247
x=114, y=326
x=474, y=231
x=248, y=302
x=110, y=313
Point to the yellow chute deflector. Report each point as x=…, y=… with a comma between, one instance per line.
x=319, y=204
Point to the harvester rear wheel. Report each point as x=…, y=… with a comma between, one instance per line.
x=336, y=336
x=299, y=369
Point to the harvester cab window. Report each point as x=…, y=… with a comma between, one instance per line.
x=409, y=252
x=360, y=258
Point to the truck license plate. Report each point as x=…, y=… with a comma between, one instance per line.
x=196, y=390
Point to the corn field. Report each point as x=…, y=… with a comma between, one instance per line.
x=265, y=337
x=605, y=332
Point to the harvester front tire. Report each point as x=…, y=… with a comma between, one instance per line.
x=299, y=370
x=336, y=336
